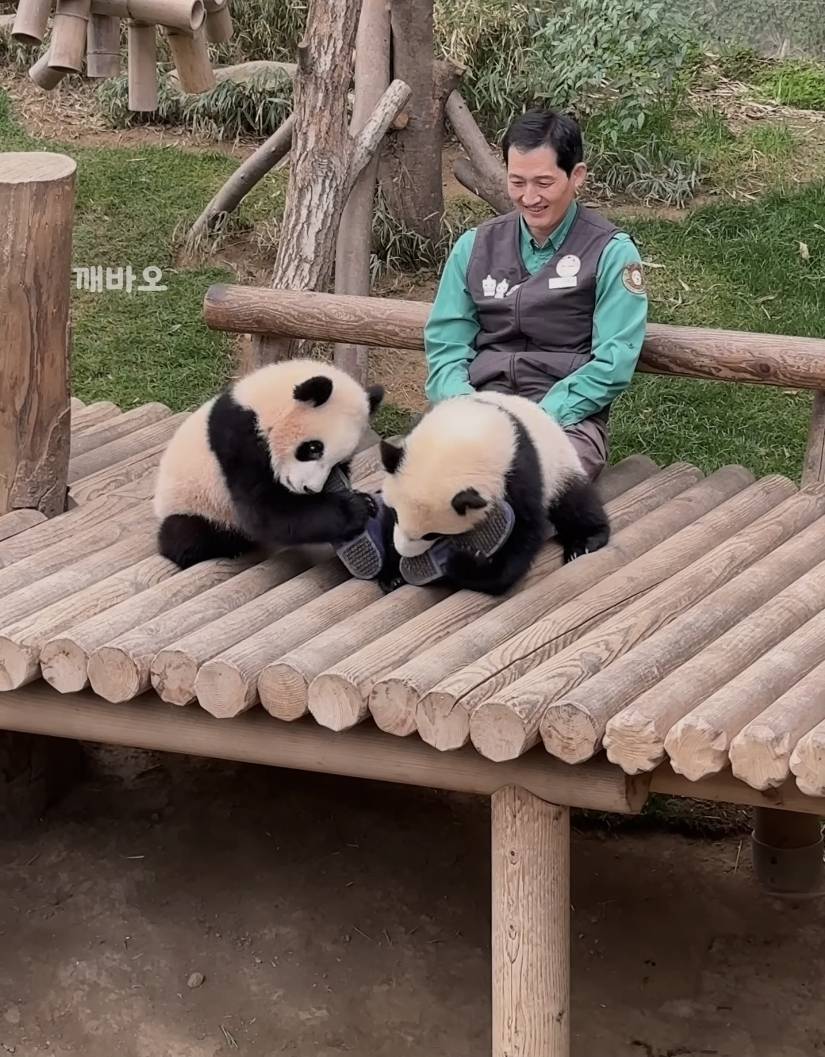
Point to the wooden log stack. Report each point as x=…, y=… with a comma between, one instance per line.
x=89, y=31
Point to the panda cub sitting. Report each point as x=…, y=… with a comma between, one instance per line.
x=247, y=469
x=467, y=458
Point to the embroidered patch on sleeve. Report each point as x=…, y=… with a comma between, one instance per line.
x=633, y=278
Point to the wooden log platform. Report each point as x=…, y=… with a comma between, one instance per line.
x=692, y=647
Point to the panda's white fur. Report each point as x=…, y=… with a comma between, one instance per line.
x=260, y=425
x=189, y=475
x=470, y=442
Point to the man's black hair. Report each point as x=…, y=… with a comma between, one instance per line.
x=547, y=128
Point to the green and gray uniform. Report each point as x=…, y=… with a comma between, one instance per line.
x=561, y=324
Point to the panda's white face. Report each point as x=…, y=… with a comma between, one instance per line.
x=319, y=426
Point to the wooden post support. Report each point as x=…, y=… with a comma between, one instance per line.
x=36, y=214
x=103, y=47
x=142, y=67
x=68, y=44
x=190, y=53
x=218, y=21
x=787, y=850
x=43, y=75
x=531, y=925
x=31, y=21
x=813, y=469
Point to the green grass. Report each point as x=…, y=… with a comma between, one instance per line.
x=796, y=84
x=130, y=203
x=734, y=267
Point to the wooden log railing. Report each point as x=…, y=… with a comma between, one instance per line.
x=689, y=352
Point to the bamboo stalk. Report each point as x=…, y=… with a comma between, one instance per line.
x=142, y=67
x=31, y=21
x=190, y=54
x=219, y=25
x=690, y=567
x=103, y=47
x=184, y=15
x=43, y=75
x=68, y=40
x=396, y=696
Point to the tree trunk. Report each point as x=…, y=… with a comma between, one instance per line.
x=352, y=262
x=320, y=158
x=411, y=178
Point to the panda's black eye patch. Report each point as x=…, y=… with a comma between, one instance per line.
x=309, y=451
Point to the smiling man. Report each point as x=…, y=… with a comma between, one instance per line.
x=547, y=301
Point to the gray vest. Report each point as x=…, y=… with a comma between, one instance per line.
x=535, y=329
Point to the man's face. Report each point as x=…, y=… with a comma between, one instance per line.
x=539, y=189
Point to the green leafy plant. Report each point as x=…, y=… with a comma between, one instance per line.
x=797, y=84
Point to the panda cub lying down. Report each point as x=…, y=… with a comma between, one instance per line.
x=474, y=488
x=247, y=469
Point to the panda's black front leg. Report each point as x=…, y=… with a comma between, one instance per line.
x=293, y=520
x=580, y=520
x=494, y=575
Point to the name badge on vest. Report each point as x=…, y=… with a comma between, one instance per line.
x=567, y=270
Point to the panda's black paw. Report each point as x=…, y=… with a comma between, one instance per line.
x=388, y=584
x=466, y=565
x=360, y=507
x=579, y=548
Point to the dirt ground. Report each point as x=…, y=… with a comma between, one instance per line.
x=331, y=916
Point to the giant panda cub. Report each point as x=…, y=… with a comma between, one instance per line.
x=471, y=453
x=247, y=469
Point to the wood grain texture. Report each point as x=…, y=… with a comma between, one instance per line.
x=530, y=925
x=698, y=743
x=22, y=641
x=726, y=789
x=365, y=753
x=93, y=414
x=238, y=627
x=116, y=429
x=690, y=567
x=760, y=754
x=663, y=679
x=320, y=159
x=37, y=193
x=487, y=168
x=813, y=468
x=808, y=762
x=103, y=457
x=690, y=352
x=669, y=540
x=228, y=683
x=399, y=699
x=579, y=719
x=73, y=526
x=354, y=238
x=113, y=478
x=119, y=669
x=18, y=521
x=64, y=657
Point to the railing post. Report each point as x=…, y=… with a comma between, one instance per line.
x=36, y=214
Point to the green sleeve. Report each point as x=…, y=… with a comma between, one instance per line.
x=619, y=323
x=451, y=328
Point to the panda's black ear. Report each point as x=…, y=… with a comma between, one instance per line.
x=316, y=390
x=391, y=457
x=375, y=394
x=467, y=499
